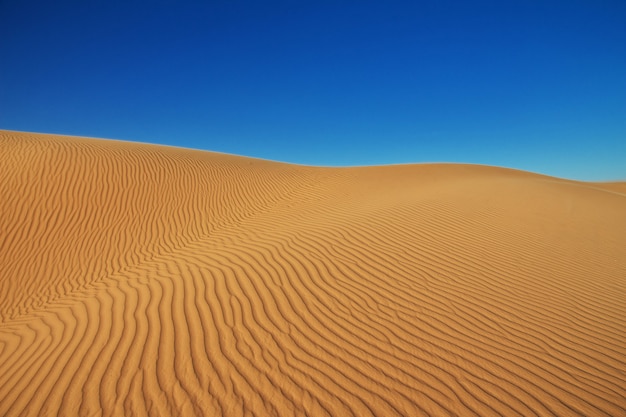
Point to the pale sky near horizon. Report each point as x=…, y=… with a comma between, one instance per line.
x=533, y=85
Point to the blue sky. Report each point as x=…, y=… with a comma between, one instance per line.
x=534, y=85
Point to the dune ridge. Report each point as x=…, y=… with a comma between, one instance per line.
x=146, y=280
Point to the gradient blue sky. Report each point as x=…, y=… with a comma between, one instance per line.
x=538, y=85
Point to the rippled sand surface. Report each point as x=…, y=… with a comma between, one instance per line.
x=145, y=280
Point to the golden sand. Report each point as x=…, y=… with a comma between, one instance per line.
x=145, y=280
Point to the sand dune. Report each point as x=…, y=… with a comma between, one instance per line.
x=146, y=280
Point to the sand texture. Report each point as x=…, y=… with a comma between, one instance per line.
x=150, y=281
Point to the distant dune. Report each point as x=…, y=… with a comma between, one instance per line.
x=146, y=280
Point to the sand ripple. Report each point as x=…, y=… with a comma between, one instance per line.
x=146, y=280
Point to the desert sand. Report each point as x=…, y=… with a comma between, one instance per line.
x=147, y=280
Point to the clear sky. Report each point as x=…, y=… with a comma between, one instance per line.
x=538, y=85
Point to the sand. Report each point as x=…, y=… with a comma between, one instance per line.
x=147, y=280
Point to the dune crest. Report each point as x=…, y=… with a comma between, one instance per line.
x=145, y=280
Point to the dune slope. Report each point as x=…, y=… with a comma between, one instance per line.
x=146, y=280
